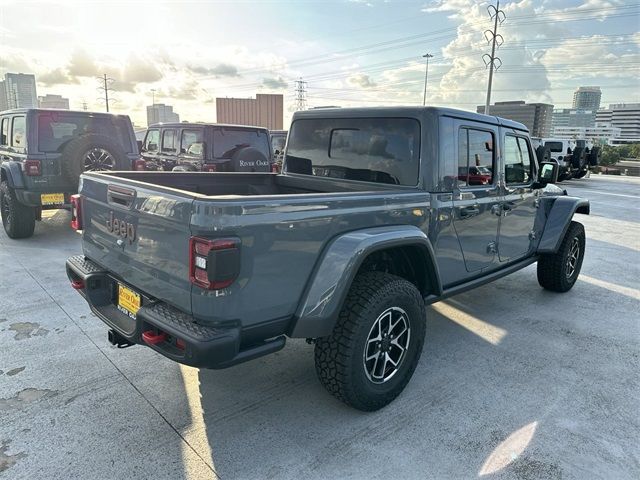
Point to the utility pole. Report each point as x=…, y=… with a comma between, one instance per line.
x=301, y=94
x=153, y=96
x=426, y=76
x=105, y=86
x=493, y=37
x=84, y=105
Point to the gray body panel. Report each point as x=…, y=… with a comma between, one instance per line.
x=303, y=238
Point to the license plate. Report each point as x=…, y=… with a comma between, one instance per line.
x=52, y=198
x=128, y=301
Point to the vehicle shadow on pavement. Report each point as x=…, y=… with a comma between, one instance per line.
x=514, y=392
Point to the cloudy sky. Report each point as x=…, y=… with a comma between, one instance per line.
x=350, y=52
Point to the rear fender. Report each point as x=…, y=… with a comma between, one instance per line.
x=332, y=277
x=558, y=220
x=12, y=173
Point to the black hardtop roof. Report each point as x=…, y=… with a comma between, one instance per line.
x=192, y=124
x=408, y=111
x=63, y=110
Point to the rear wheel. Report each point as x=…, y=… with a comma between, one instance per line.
x=376, y=344
x=18, y=220
x=559, y=271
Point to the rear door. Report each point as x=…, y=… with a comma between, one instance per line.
x=150, y=151
x=519, y=203
x=476, y=198
x=139, y=232
x=168, y=151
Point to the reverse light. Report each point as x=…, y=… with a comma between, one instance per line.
x=209, y=167
x=33, y=168
x=76, y=212
x=214, y=264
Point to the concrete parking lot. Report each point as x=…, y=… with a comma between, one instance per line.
x=514, y=382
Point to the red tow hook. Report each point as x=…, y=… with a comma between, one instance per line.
x=77, y=284
x=152, y=338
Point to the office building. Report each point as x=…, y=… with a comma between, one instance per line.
x=266, y=110
x=161, y=113
x=626, y=117
x=587, y=98
x=570, y=117
x=20, y=90
x=53, y=101
x=535, y=116
x=3, y=97
x=599, y=134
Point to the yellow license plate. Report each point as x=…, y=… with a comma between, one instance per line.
x=52, y=198
x=128, y=301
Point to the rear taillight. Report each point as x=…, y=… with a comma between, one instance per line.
x=76, y=212
x=214, y=264
x=140, y=165
x=275, y=167
x=33, y=168
x=209, y=167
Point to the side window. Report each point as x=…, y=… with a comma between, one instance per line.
x=189, y=137
x=517, y=160
x=475, y=157
x=4, y=136
x=18, y=133
x=152, y=141
x=169, y=141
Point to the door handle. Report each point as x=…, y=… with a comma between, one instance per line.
x=466, y=212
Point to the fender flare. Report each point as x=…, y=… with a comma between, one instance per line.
x=13, y=174
x=338, y=265
x=558, y=220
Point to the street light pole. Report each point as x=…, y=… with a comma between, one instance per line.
x=426, y=76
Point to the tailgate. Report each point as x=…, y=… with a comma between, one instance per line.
x=140, y=233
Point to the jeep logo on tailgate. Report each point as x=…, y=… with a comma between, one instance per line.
x=121, y=228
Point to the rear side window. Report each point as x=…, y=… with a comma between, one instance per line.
x=169, y=141
x=152, y=141
x=18, y=133
x=227, y=141
x=517, y=160
x=554, y=146
x=189, y=137
x=475, y=157
x=382, y=150
x=4, y=131
x=56, y=129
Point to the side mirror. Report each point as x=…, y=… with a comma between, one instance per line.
x=548, y=174
x=139, y=142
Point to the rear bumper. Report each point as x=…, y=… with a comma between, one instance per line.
x=33, y=199
x=175, y=334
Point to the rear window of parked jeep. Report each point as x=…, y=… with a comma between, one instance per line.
x=55, y=130
x=381, y=150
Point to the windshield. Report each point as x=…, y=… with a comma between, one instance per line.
x=227, y=141
x=382, y=150
x=277, y=142
x=56, y=129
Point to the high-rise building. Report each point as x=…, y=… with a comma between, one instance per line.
x=573, y=118
x=266, y=110
x=53, y=101
x=161, y=113
x=587, y=98
x=626, y=117
x=20, y=90
x=3, y=97
x=535, y=116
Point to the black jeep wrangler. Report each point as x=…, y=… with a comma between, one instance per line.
x=43, y=153
x=199, y=147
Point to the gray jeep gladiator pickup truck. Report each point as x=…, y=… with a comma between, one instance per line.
x=369, y=221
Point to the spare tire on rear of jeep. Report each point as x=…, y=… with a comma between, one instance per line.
x=91, y=153
x=578, y=158
x=249, y=159
x=543, y=152
x=594, y=156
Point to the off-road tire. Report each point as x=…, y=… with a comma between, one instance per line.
x=594, y=156
x=581, y=173
x=578, y=159
x=18, y=220
x=553, y=267
x=74, y=152
x=339, y=357
x=248, y=155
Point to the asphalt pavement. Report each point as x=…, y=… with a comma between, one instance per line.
x=514, y=382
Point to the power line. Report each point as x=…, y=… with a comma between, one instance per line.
x=496, y=40
x=301, y=94
x=105, y=87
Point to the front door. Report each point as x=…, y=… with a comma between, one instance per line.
x=476, y=198
x=518, y=209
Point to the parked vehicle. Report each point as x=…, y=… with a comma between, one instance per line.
x=43, y=153
x=369, y=222
x=574, y=157
x=192, y=147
